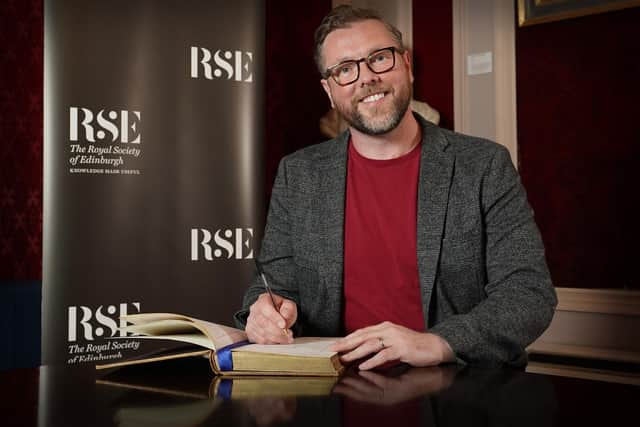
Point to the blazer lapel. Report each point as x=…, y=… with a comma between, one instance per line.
x=436, y=169
x=332, y=190
x=332, y=178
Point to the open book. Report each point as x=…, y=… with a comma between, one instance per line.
x=228, y=349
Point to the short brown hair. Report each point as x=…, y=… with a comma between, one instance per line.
x=342, y=17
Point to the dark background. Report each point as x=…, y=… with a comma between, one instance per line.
x=577, y=100
x=578, y=88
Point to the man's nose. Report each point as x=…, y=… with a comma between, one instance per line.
x=367, y=76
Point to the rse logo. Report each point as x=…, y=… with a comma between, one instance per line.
x=122, y=126
x=97, y=323
x=226, y=64
x=226, y=244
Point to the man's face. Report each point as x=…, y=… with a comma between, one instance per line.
x=375, y=103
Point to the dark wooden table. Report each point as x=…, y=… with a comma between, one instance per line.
x=186, y=395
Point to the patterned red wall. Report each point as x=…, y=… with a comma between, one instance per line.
x=21, y=82
x=295, y=99
x=433, y=56
x=578, y=91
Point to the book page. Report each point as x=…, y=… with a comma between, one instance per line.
x=141, y=318
x=182, y=328
x=221, y=335
x=197, y=339
x=164, y=327
x=304, y=346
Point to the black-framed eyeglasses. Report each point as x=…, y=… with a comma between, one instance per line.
x=379, y=61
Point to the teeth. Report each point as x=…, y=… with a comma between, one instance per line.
x=372, y=98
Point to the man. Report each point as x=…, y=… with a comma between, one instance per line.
x=415, y=241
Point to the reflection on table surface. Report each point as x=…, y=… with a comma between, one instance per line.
x=185, y=394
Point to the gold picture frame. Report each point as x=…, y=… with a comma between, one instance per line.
x=531, y=12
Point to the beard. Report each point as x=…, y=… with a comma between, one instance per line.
x=377, y=120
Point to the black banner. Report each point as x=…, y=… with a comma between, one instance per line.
x=153, y=171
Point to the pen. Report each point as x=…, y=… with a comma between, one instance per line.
x=268, y=288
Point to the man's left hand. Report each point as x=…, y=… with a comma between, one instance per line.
x=389, y=342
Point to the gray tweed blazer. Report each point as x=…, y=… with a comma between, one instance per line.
x=485, y=286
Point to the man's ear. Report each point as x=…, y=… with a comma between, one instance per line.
x=406, y=56
x=327, y=89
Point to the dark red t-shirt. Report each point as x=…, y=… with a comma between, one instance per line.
x=380, y=262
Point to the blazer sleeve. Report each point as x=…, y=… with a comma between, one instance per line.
x=520, y=297
x=276, y=252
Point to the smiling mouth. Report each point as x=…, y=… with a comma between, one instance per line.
x=374, y=97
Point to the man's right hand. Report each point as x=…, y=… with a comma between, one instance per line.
x=269, y=325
